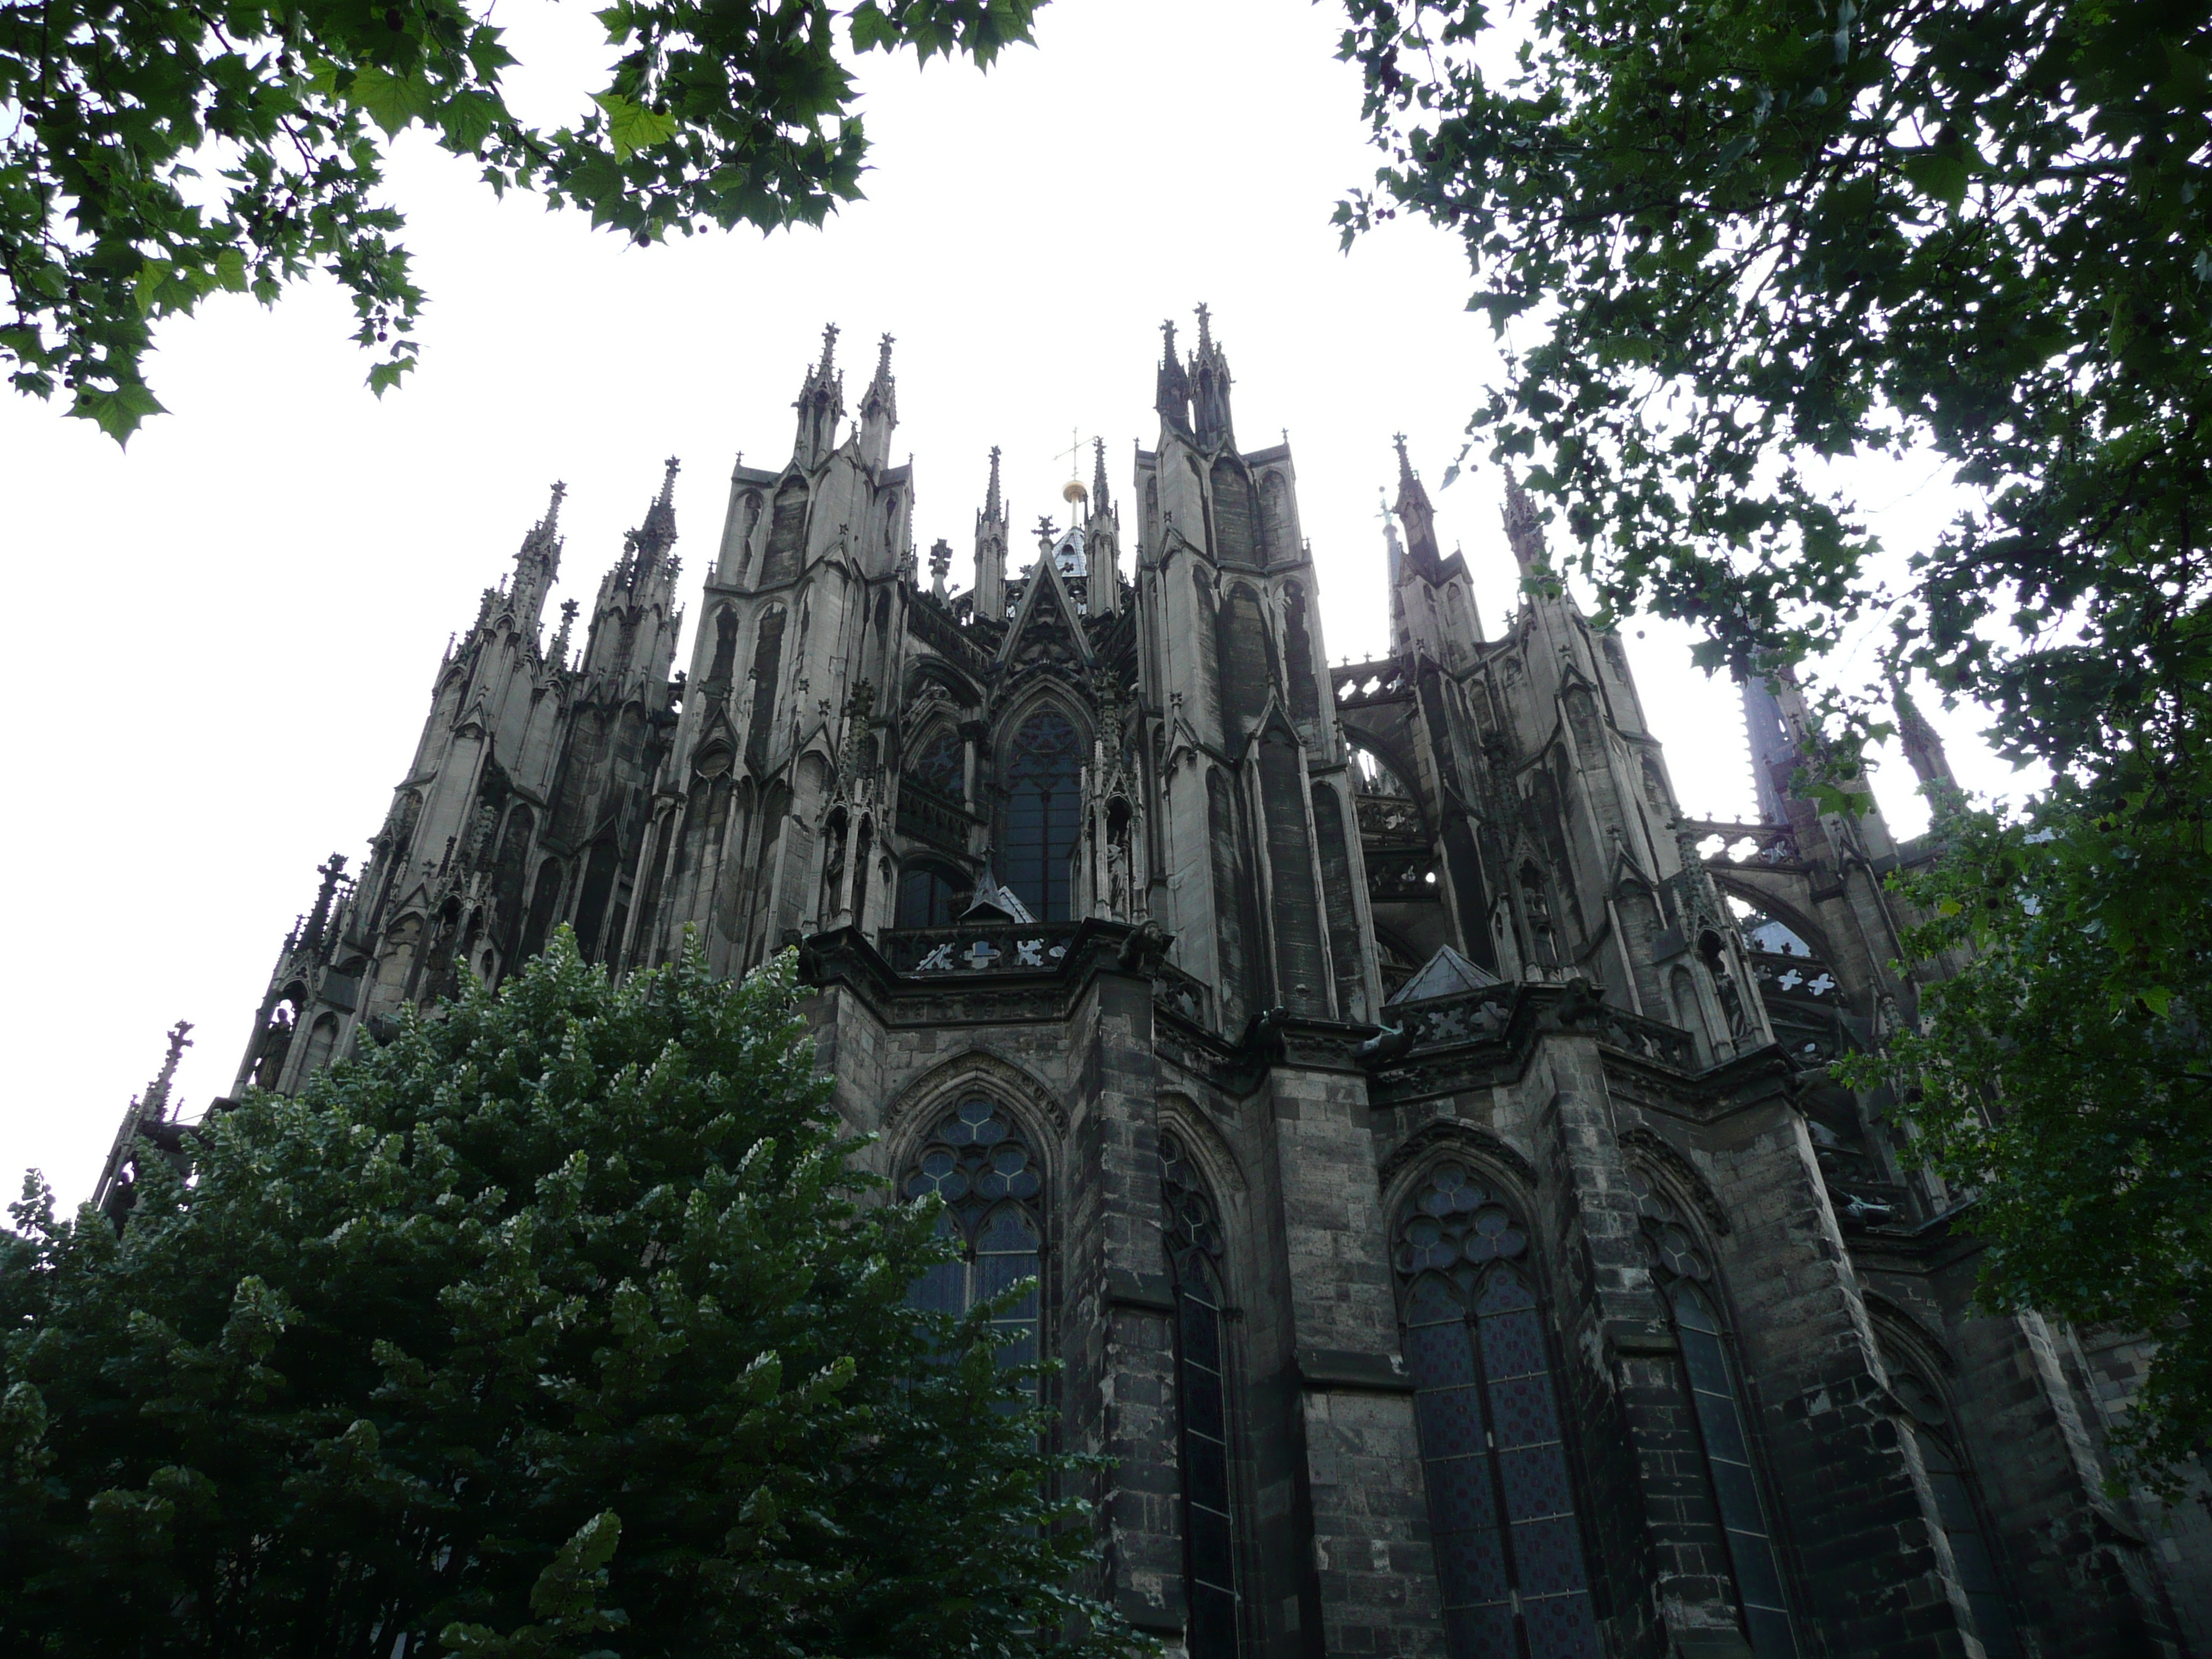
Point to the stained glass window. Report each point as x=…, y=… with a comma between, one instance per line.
x=1682, y=1267
x=941, y=764
x=1042, y=773
x=1508, y=1546
x=1209, y=1530
x=930, y=896
x=1971, y=1555
x=978, y=1163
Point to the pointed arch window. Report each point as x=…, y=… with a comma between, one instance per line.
x=1508, y=1543
x=1975, y=1561
x=941, y=764
x=1043, y=768
x=1193, y=1231
x=1684, y=1275
x=982, y=1166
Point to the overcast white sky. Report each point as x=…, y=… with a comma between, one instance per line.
x=225, y=638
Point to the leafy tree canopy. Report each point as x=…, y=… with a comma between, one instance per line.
x=1735, y=243
x=560, y=1326
x=154, y=152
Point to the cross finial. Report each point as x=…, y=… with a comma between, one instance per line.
x=1074, y=451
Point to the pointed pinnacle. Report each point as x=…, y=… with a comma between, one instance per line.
x=991, y=499
x=553, y=508
x=1205, y=329
x=828, y=349
x=668, y=479
x=1167, y=328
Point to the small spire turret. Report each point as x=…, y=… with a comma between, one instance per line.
x=821, y=405
x=537, y=565
x=1924, y=746
x=1418, y=516
x=992, y=526
x=1172, y=396
x=1522, y=532
x=1209, y=396
x=879, y=410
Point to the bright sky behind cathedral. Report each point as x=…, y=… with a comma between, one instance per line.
x=224, y=640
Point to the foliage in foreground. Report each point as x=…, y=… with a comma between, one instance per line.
x=156, y=153
x=2076, y=1108
x=1735, y=242
x=560, y=1325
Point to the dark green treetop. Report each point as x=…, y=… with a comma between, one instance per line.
x=561, y=1325
x=157, y=152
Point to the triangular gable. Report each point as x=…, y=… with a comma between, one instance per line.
x=1047, y=614
x=1447, y=974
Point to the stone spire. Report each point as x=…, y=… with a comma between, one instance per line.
x=1924, y=747
x=1209, y=396
x=1101, y=541
x=658, y=533
x=112, y=1195
x=821, y=405
x=1418, y=517
x=880, y=410
x=537, y=565
x=634, y=618
x=1172, y=396
x=1522, y=533
x=1393, y=567
x=318, y=919
x=992, y=529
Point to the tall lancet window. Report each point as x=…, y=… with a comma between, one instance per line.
x=1501, y=1502
x=1042, y=784
x=1193, y=1232
x=1684, y=1279
x=1940, y=1455
x=978, y=1163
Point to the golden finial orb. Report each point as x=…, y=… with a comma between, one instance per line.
x=1073, y=491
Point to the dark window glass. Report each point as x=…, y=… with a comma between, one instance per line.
x=941, y=764
x=1193, y=1245
x=1735, y=1483
x=1501, y=1504
x=929, y=895
x=977, y=1162
x=1679, y=1261
x=1043, y=789
x=1971, y=1554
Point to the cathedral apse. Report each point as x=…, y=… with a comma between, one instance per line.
x=1415, y=1127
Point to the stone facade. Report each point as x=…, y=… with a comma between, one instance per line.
x=1521, y=1285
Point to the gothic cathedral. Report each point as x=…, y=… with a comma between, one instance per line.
x=1418, y=1129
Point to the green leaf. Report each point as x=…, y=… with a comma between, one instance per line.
x=393, y=101
x=117, y=413
x=146, y=289
x=230, y=269
x=468, y=119
x=631, y=127
x=1942, y=172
